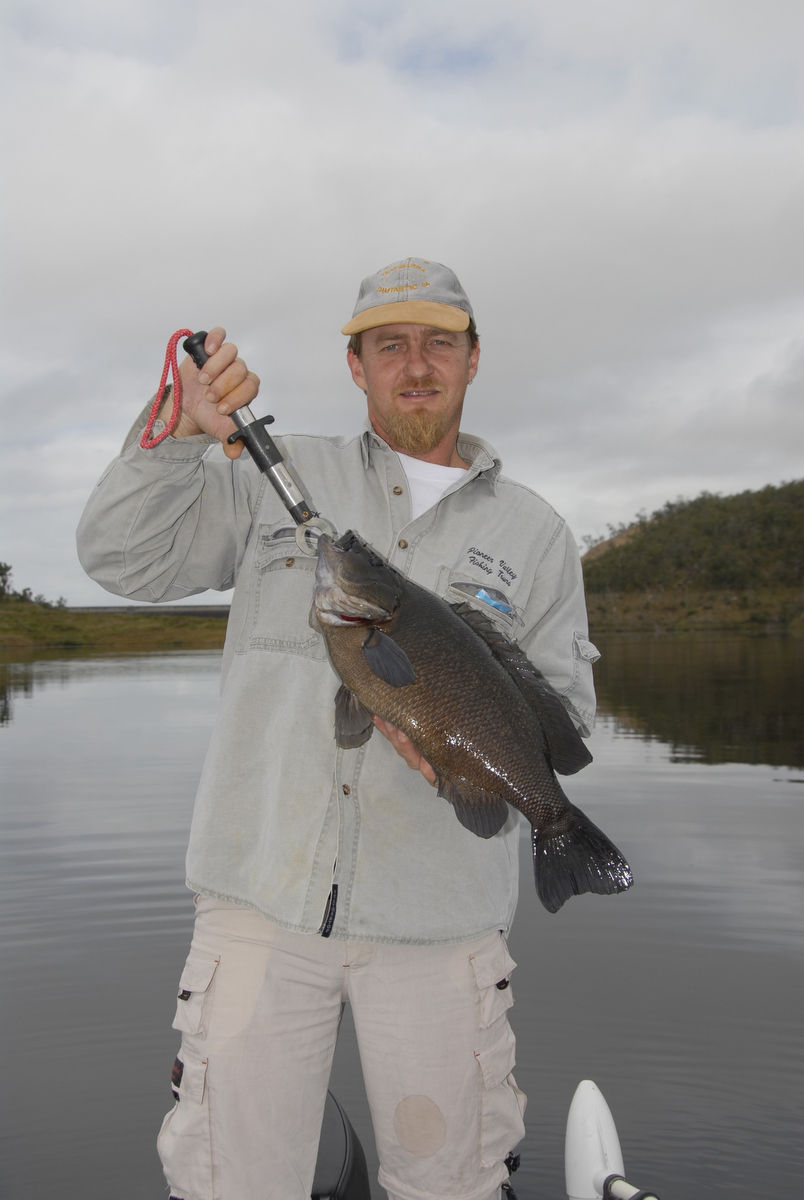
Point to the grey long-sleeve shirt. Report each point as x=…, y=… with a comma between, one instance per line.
x=281, y=812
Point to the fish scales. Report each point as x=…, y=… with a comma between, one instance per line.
x=461, y=704
x=473, y=705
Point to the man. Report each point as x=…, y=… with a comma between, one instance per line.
x=321, y=874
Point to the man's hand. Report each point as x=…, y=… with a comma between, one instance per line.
x=405, y=748
x=224, y=383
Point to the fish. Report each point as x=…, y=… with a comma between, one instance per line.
x=488, y=722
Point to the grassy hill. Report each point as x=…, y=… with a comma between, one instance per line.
x=25, y=624
x=715, y=561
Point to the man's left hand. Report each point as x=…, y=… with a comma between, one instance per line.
x=405, y=749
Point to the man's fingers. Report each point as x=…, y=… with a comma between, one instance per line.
x=218, y=363
x=214, y=339
x=211, y=394
x=236, y=387
x=405, y=749
x=428, y=773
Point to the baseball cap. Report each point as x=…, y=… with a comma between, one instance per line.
x=413, y=291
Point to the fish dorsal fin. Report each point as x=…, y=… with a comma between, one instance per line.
x=353, y=723
x=565, y=746
x=388, y=661
x=477, y=810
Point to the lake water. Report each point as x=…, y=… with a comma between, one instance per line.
x=682, y=999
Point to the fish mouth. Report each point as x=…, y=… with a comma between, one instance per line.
x=336, y=607
x=331, y=604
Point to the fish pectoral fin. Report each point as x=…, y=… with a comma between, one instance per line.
x=477, y=810
x=353, y=723
x=388, y=661
x=565, y=747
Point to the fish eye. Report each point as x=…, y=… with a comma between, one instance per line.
x=374, y=561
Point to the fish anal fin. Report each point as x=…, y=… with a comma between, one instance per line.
x=387, y=660
x=353, y=723
x=574, y=857
x=565, y=747
x=480, y=811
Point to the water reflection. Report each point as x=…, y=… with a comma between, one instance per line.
x=681, y=998
x=25, y=672
x=712, y=698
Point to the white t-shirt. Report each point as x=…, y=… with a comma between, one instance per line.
x=427, y=482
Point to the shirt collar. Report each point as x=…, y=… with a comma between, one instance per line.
x=483, y=459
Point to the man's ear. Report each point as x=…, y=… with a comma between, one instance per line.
x=356, y=367
x=474, y=358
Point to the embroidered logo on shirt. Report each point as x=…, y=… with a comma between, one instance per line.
x=490, y=565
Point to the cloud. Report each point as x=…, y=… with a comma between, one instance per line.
x=618, y=188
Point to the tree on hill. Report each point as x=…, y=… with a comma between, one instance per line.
x=7, y=593
x=753, y=539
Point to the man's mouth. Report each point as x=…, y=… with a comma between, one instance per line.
x=419, y=391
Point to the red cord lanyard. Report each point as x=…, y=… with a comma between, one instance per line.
x=171, y=364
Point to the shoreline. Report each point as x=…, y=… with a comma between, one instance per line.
x=684, y=610
x=26, y=625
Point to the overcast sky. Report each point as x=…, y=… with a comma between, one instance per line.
x=619, y=185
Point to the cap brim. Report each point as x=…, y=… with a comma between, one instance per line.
x=409, y=312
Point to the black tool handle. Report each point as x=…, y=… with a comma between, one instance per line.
x=259, y=443
x=194, y=346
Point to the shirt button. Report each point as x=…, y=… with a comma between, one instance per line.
x=402, y=544
x=347, y=791
x=289, y=562
x=397, y=490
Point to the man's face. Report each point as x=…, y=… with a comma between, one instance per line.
x=415, y=378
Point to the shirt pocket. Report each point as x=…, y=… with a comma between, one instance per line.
x=280, y=597
x=492, y=966
x=456, y=586
x=193, y=1004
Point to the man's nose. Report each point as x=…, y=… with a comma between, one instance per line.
x=418, y=363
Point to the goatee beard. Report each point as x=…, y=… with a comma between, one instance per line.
x=419, y=430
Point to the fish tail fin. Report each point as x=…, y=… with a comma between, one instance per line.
x=573, y=857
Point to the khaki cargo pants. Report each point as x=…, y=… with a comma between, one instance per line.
x=259, y=1009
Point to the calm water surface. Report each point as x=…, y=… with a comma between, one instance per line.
x=682, y=999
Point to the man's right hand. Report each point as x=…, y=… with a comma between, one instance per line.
x=223, y=384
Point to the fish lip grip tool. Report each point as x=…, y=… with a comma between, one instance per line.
x=252, y=432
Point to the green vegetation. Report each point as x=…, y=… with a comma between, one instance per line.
x=716, y=562
x=7, y=593
x=752, y=540
x=28, y=621
x=26, y=624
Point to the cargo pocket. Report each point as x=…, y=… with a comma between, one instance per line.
x=184, y=1140
x=193, y=1004
x=502, y=1104
x=492, y=967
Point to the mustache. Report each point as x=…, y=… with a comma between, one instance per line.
x=418, y=385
